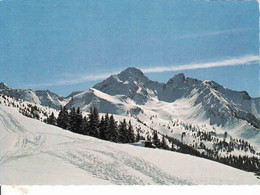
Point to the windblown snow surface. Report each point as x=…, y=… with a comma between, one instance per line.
x=32, y=152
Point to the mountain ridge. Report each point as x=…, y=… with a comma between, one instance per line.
x=204, y=105
x=130, y=92
x=41, y=97
x=3, y=85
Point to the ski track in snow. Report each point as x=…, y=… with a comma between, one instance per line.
x=27, y=144
x=115, y=166
x=115, y=170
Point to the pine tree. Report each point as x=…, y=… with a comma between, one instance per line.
x=78, y=122
x=72, y=126
x=62, y=120
x=94, y=122
x=156, y=140
x=130, y=133
x=51, y=119
x=112, y=130
x=122, y=132
x=102, y=129
x=137, y=139
x=106, y=127
x=85, y=126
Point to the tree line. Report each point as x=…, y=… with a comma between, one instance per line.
x=106, y=128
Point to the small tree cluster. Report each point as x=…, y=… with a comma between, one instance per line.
x=106, y=128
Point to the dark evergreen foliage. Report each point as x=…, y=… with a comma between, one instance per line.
x=122, y=132
x=51, y=119
x=112, y=130
x=138, y=137
x=79, y=121
x=72, y=126
x=85, y=126
x=106, y=127
x=93, y=122
x=130, y=133
x=102, y=129
x=63, y=118
x=156, y=140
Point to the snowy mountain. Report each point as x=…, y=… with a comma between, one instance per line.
x=40, y=97
x=131, y=83
x=36, y=153
x=219, y=103
x=187, y=102
x=190, y=100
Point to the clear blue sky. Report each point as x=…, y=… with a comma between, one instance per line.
x=67, y=45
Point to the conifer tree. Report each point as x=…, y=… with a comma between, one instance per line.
x=51, y=119
x=85, y=126
x=102, y=129
x=106, y=127
x=137, y=139
x=156, y=140
x=112, y=130
x=72, y=126
x=122, y=132
x=78, y=121
x=62, y=120
x=94, y=122
x=130, y=133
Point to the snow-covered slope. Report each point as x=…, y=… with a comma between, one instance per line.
x=117, y=104
x=36, y=153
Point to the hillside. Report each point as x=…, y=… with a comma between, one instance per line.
x=36, y=153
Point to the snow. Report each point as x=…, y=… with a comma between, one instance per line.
x=168, y=108
x=33, y=152
x=39, y=97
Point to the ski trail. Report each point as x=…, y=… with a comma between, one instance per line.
x=26, y=143
x=113, y=165
x=118, y=167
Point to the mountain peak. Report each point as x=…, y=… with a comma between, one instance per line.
x=131, y=72
x=210, y=83
x=180, y=75
x=177, y=79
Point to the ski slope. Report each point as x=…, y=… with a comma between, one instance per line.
x=32, y=152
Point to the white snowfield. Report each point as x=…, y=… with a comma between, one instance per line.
x=32, y=152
